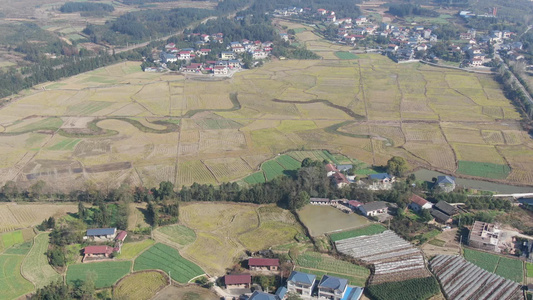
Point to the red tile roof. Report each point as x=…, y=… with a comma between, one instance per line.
x=121, y=236
x=418, y=200
x=355, y=203
x=331, y=168
x=98, y=250
x=238, y=279
x=260, y=262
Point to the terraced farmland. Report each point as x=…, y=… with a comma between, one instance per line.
x=366, y=107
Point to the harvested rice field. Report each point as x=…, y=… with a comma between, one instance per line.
x=119, y=125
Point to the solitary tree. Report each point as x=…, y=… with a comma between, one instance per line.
x=397, y=166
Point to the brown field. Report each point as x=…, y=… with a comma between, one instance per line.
x=409, y=110
x=15, y=216
x=225, y=230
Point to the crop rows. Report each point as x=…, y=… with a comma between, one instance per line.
x=12, y=284
x=412, y=289
x=35, y=267
x=461, y=279
x=483, y=169
x=140, y=286
x=320, y=262
x=257, y=177
x=506, y=267
x=392, y=256
x=272, y=169
x=367, y=230
x=107, y=273
x=167, y=259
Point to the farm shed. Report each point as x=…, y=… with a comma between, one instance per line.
x=374, y=208
x=121, y=236
x=301, y=283
x=332, y=287
x=484, y=236
x=97, y=252
x=445, y=183
x=440, y=216
x=446, y=208
x=101, y=234
x=258, y=264
x=238, y=281
x=461, y=279
x=418, y=203
x=319, y=201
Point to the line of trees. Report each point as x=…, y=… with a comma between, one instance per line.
x=408, y=9
x=70, y=7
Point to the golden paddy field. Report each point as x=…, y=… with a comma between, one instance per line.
x=111, y=125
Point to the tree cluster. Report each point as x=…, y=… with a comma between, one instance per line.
x=70, y=7
x=408, y=9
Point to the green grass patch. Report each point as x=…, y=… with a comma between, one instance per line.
x=87, y=107
x=21, y=249
x=217, y=124
x=367, y=230
x=167, y=259
x=12, y=238
x=299, y=30
x=272, y=169
x=511, y=269
x=431, y=234
x=179, y=234
x=529, y=267
x=346, y=55
x=437, y=242
x=107, y=273
x=288, y=162
x=12, y=284
x=35, y=267
x=482, y=259
x=412, y=289
x=317, y=261
x=67, y=144
x=46, y=124
x=131, y=250
x=482, y=169
x=257, y=177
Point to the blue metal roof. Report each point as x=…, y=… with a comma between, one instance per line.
x=280, y=293
x=335, y=283
x=262, y=296
x=379, y=176
x=445, y=179
x=344, y=167
x=101, y=231
x=302, y=277
x=353, y=293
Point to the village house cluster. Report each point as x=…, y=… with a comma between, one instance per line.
x=302, y=284
x=102, y=236
x=229, y=60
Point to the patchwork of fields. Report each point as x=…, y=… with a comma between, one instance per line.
x=222, y=231
x=508, y=268
x=118, y=124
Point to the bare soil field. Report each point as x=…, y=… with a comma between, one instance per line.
x=369, y=108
